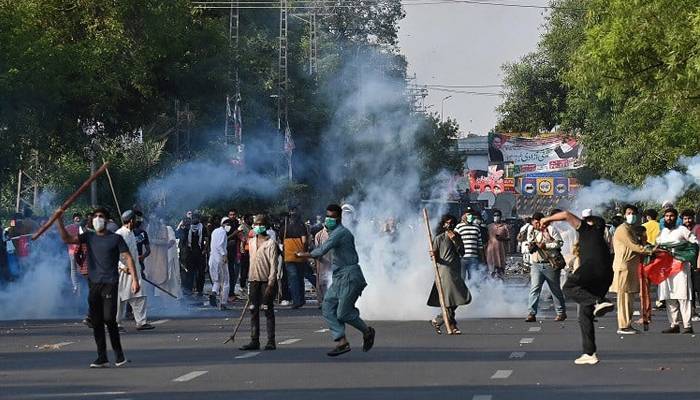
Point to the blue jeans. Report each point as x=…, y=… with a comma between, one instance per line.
x=296, y=272
x=339, y=301
x=469, y=266
x=539, y=274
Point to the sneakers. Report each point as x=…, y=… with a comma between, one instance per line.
x=368, y=339
x=271, y=345
x=603, y=308
x=688, y=330
x=531, y=318
x=586, y=359
x=212, y=299
x=340, y=349
x=121, y=361
x=285, y=303
x=695, y=318
x=253, y=345
x=560, y=317
x=121, y=329
x=673, y=329
x=100, y=363
x=145, y=327
x=88, y=322
x=627, y=331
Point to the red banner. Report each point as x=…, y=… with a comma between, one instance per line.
x=662, y=267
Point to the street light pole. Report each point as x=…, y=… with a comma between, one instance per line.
x=442, y=110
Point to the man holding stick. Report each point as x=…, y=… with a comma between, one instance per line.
x=447, y=251
x=103, y=251
x=347, y=285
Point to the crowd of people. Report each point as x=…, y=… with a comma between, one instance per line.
x=118, y=270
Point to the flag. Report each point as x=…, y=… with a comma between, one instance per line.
x=237, y=120
x=662, y=267
x=288, y=141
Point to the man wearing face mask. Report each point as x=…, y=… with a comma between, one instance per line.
x=347, y=285
x=499, y=235
x=218, y=265
x=628, y=253
x=194, y=249
x=137, y=300
x=104, y=250
x=447, y=249
x=470, y=233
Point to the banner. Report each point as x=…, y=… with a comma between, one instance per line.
x=543, y=154
x=545, y=186
x=492, y=180
x=561, y=186
x=529, y=187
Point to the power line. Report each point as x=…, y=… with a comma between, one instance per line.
x=430, y=86
x=310, y=4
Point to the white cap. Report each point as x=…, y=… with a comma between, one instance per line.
x=224, y=219
x=667, y=204
x=586, y=213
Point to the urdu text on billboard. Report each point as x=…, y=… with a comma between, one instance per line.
x=542, y=154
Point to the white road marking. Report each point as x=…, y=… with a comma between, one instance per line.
x=527, y=340
x=482, y=397
x=160, y=322
x=70, y=395
x=289, y=341
x=322, y=331
x=517, y=354
x=56, y=346
x=502, y=374
x=190, y=376
x=248, y=355
x=535, y=329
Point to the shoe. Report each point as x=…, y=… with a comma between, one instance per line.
x=88, y=322
x=586, y=359
x=271, y=345
x=340, y=349
x=250, y=346
x=531, y=318
x=627, y=331
x=145, y=327
x=100, y=363
x=673, y=329
x=212, y=299
x=368, y=339
x=297, y=306
x=696, y=318
x=688, y=330
x=122, y=329
x=603, y=308
x=285, y=303
x=121, y=361
x=560, y=317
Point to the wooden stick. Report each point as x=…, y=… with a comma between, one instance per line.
x=58, y=213
x=240, y=320
x=114, y=194
x=438, y=282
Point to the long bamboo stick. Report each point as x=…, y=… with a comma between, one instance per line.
x=438, y=281
x=114, y=194
x=58, y=213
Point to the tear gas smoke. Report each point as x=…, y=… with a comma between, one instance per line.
x=655, y=189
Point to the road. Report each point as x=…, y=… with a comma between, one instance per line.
x=495, y=359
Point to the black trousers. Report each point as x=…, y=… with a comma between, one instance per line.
x=102, y=300
x=586, y=301
x=450, y=314
x=258, y=300
x=245, y=265
x=196, y=270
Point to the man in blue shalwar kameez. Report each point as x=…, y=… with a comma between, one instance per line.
x=347, y=283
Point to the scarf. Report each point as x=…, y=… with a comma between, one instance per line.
x=195, y=228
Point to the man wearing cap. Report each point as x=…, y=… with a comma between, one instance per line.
x=137, y=300
x=218, y=265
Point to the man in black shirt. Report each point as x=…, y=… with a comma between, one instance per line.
x=589, y=284
x=104, y=250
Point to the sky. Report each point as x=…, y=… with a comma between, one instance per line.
x=466, y=44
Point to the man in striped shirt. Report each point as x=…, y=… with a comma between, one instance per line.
x=473, y=243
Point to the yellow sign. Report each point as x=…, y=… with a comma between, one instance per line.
x=545, y=186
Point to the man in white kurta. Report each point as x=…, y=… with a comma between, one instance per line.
x=136, y=300
x=218, y=265
x=162, y=265
x=677, y=290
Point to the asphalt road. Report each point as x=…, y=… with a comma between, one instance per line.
x=185, y=358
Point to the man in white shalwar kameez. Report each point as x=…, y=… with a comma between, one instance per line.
x=677, y=290
x=162, y=266
x=136, y=300
x=218, y=265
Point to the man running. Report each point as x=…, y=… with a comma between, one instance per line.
x=347, y=285
x=103, y=251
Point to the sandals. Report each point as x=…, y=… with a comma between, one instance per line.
x=455, y=331
x=436, y=326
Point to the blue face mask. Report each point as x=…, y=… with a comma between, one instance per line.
x=259, y=230
x=331, y=223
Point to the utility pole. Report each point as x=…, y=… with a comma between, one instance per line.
x=283, y=87
x=27, y=184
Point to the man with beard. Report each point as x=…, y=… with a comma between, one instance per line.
x=628, y=252
x=347, y=285
x=470, y=233
x=447, y=251
x=104, y=250
x=541, y=239
x=498, y=235
x=677, y=289
x=590, y=282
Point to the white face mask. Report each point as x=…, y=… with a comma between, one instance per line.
x=227, y=228
x=98, y=223
x=496, y=219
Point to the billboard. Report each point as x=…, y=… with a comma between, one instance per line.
x=531, y=155
x=493, y=180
